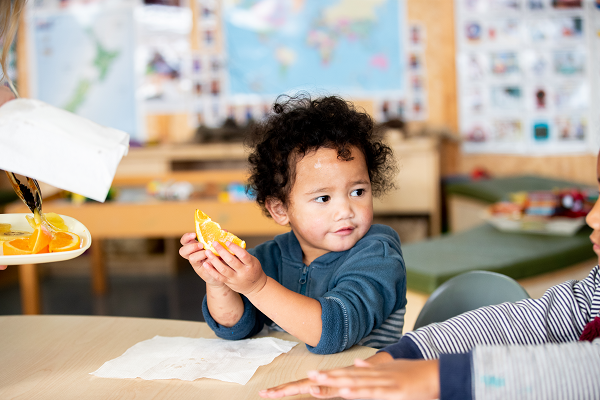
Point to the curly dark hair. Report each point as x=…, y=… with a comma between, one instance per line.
x=300, y=125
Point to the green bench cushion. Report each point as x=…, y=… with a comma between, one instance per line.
x=432, y=262
x=493, y=190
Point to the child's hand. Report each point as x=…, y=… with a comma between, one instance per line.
x=194, y=252
x=241, y=272
x=414, y=379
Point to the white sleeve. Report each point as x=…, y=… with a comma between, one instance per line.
x=557, y=317
x=550, y=371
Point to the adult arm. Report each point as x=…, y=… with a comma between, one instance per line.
x=559, y=316
x=304, y=386
x=567, y=371
x=6, y=95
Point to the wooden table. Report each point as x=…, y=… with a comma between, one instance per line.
x=151, y=218
x=51, y=357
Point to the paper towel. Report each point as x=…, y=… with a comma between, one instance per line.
x=190, y=358
x=59, y=148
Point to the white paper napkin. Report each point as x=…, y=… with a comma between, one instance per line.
x=189, y=359
x=59, y=148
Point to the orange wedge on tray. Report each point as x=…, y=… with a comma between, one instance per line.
x=209, y=231
x=16, y=247
x=42, y=240
x=64, y=241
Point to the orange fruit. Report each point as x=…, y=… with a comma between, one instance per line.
x=209, y=231
x=64, y=241
x=16, y=247
x=56, y=222
x=40, y=239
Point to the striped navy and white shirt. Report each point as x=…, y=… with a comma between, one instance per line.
x=522, y=350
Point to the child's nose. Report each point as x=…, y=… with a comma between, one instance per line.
x=593, y=217
x=344, y=210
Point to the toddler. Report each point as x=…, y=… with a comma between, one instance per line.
x=335, y=280
x=546, y=348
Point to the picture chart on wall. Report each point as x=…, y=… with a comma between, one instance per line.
x=527, y=73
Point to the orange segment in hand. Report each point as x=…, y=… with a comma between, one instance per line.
x=16, y=247
x=40, y=239
x=208, y=231
x=64, y=241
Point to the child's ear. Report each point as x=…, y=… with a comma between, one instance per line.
x=277, y=211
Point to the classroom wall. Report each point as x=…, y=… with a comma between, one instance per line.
x=438, y=18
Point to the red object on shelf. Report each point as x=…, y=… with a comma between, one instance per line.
x=480, y=173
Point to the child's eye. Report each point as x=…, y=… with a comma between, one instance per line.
x=322, y=199
x=357, y=192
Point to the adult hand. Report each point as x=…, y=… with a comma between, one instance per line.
x=307, y=386
x=400, y=379
x=194, y=252
x=6, y=95
x=240, y=271
x=303, y=386
x=2, y=267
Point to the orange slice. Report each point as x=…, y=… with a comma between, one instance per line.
x=64, y=241
x=56, y=222
x=209, y=231
x=16, y=247
x=40, y=239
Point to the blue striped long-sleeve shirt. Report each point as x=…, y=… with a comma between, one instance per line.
x=526, y=349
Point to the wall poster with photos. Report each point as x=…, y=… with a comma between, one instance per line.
x=526, y=72
x=163, y=50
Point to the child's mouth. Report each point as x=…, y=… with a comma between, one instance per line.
x=344, y=231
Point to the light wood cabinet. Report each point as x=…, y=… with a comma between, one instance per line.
x=417, y=182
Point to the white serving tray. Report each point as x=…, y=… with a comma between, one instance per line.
x=18, y=222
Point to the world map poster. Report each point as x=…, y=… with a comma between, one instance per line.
x=82, y=56
x=350, y=47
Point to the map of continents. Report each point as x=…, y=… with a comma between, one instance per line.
x=340, y=46
x=84, y=64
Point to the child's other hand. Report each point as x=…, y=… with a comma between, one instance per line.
x=194, y=252
x=241, y=272
x=303, y=386
x=411, y=379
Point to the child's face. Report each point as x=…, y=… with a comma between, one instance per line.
x=330, y=206
x=593, y=218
